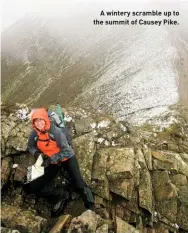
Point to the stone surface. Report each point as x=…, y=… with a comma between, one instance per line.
x=132, y=204
x=142, y=177
x=140, y=158
x=5, y=170
x=182, y=166
x=168, y=209
x=102, y=229
x=15, y=134
x=62, y=220
x=182, y=217
x=23, y=161
x=179, y=180
x=163, y=188
x=22, y=220
x=86, y=222
x=84, y=147
x=8, y=230
x=83, y=126
x=162, y=162
x=120, y=171
x=183, y=195
x=122, y=187
x=20, y=174
x=148, y=157
x=123, y=227
x=120, y=163
x=184, y=156
x=145, y=191
x=100, y=183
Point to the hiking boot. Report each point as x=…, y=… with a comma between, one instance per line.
x=58, y=208
x=89, y=206
x=87, y=197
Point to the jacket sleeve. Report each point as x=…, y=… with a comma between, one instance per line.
x=65, y=150
x=32, y=143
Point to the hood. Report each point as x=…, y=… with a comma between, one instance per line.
x=40, y=113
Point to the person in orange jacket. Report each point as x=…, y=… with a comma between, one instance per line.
x=48, y=139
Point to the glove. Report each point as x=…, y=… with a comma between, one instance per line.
x=56, y=158
x=46, y=162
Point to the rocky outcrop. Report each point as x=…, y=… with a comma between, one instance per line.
x=14, y=133
x=139, y=176
x=22, y=220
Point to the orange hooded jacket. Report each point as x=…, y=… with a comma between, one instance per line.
x=45, y=144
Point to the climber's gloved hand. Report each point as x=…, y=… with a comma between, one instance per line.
x=46, y=162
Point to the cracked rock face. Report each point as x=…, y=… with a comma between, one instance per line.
x=15, y=134
x=138, y=184
x=17, y=218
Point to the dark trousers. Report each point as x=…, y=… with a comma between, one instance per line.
x=43, y=186
x=71, y=165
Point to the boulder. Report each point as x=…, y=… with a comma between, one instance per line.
x=60, y=224
x=102, y=229
x=122, y=227
x=83, y=125
x=22, y=220
x=161, y=162
x=114, y=170
x=181, y=165
x=8, y=230
x=86, y=222
x=15, y=134
x=120, y=171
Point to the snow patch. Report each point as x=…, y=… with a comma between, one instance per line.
x=93, y=125
x=68, y=118
x=106, y=143
x=100, y=140
x=103, y=124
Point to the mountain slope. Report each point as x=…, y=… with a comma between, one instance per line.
x=130, y=72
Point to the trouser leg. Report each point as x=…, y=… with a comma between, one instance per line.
x=43, y=186
x=73, y=168
x=71, y=165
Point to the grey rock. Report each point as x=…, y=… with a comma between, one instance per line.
x=146, y=191
x=5, y=169
x=163, y=188
x=22, y=220
x=83, y=125
x=86, y=222
x=122, y=226
x=148, y=157
x=84, y=147
x=102, y=229
x=8, y=230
